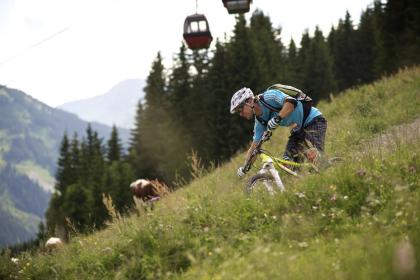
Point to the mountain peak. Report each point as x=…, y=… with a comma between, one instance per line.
x=117, y=106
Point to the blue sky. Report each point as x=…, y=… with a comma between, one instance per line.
x=65, y=50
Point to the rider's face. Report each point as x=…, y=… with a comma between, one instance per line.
x=247, y=111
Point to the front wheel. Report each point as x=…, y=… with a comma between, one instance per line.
x=261, y=182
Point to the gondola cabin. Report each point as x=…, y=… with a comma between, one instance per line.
x=197, y=32
x=237, y=6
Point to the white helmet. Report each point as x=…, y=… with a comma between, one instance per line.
x=239, y=98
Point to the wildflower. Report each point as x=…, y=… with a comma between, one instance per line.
x=300, y=194
x=345, y=197
x=303, y=244
x=333, y=198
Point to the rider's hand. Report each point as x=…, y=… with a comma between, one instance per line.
x=274, y=122
x=241, y=172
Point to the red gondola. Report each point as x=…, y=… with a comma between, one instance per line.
x=237, y=6
x=197, y=32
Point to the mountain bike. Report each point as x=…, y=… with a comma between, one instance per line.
x=268, y=176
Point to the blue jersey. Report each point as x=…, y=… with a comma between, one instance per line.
x=276, y=99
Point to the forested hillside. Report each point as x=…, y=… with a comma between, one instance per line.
x=30, y=135
x=88, y=171
x=22, y=208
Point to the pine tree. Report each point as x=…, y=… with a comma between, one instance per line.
x=242, y=69
x=118, y=175
x=318, y=68
x=160, y=150
x=151, y=122
x=114, y=146
x=179, y=87
x=402, y=33
x=243, y=57
x=135, y=149
x=77, y=208
x=292, y=65
x=75, y=158
x=343, y=52
x=213, y=144
x=301, y=60
x=42, y=233
x=369, y=45
x=64, y=177
x=94, y=185
x=269, y=50
x=379, y=50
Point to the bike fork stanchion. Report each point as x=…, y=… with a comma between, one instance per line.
x=277, y=179
x=276, y=176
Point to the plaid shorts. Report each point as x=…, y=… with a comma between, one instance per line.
x=314, y=133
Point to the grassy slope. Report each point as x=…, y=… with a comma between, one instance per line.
x=345, y=223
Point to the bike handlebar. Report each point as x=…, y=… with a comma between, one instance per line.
x=266, y=136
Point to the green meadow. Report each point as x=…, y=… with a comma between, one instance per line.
x=358, y=219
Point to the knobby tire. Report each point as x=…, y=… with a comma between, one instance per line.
x=257, y=181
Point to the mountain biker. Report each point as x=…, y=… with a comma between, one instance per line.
x=289, y=113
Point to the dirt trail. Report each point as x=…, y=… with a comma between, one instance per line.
x=402, y=134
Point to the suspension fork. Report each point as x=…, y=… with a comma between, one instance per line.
x=268, y=167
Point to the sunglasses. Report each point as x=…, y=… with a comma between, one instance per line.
x=241, y=108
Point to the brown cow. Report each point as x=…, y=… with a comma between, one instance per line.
x=148, y=190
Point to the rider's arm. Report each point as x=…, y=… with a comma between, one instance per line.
x=279, y=99
x=249, y=153
x=286, y=110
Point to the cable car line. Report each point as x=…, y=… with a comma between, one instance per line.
x=48, y=38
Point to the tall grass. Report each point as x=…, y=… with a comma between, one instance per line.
x=356, y=220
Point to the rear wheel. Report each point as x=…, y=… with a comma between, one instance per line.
x=261, y=182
